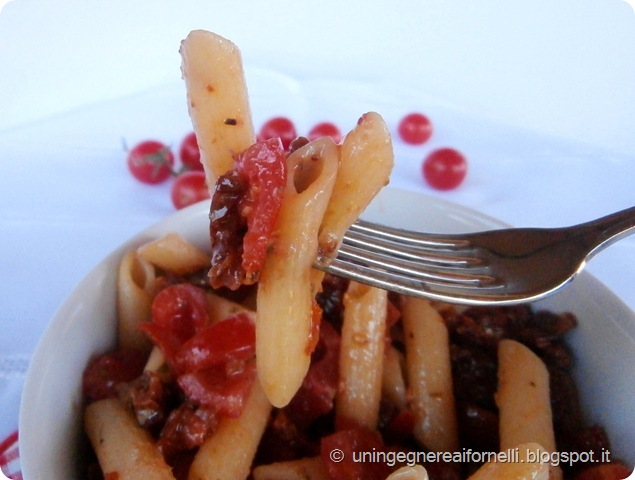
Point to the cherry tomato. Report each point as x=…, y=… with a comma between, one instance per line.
x=189, y=188
x=278, y=127
x=189, y=152
x=415, y=128
x=325, y=129
x=151, y=162
x=444, y=168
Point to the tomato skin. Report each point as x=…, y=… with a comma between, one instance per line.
x=189, y=153
x=231, y=339
x=278, y=127
x=150, y=162
x=188, y=189
x=264, y=165
x=444, y=168
x=325, y=129
x=178, y=312
x=223, y=388
x=415, y=128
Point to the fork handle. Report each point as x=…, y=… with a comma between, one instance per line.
x=607, y=230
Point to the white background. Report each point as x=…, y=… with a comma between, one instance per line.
x=540, y=95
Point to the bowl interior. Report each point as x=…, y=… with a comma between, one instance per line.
x=84, y=325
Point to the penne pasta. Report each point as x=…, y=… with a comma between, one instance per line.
x=174, y=254
x=123, y=448
x=525, y=468
x=220, y=308
x=362, y=354
x=217, y=100
x=429, y=375
x=286, y=294
x=523, y=399
x=229, y=452
x=416, y=472
x=366, y=160
x=310, y=468
x=393, y=382
x=135, y=282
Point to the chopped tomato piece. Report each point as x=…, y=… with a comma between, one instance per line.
x=264, y=165
x=186, y=428
x=399, y=428
x=231, y=339
x=244, y=210
x=178, y=312
x=223, y=388
x=212, y=362
x=340, y=449
x=104, y=373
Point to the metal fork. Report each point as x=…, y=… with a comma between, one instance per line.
x=495, y=267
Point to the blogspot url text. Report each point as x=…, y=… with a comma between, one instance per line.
x=512, y=455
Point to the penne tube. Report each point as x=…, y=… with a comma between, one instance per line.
x=416, y=472
x=310, y=468
x=220, y=308
x=174, y=254
x=366, y=160
x=229, y=452
x=429, y=374
x=217, y=100
x=362, y=354
x=286, y=293
x=135, y=282
x=124, y=449
x=393, y=382
x=523, y=399
x=527, y=467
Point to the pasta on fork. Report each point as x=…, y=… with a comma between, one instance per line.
x=321, y=197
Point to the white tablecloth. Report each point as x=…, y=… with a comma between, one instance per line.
x=539, y=98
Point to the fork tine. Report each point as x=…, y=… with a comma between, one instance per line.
x=410, y=251
x=407, y=285
x=411, y=263
x=387, y=263
x=405, y=237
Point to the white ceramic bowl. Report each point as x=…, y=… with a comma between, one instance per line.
x=604, y=342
